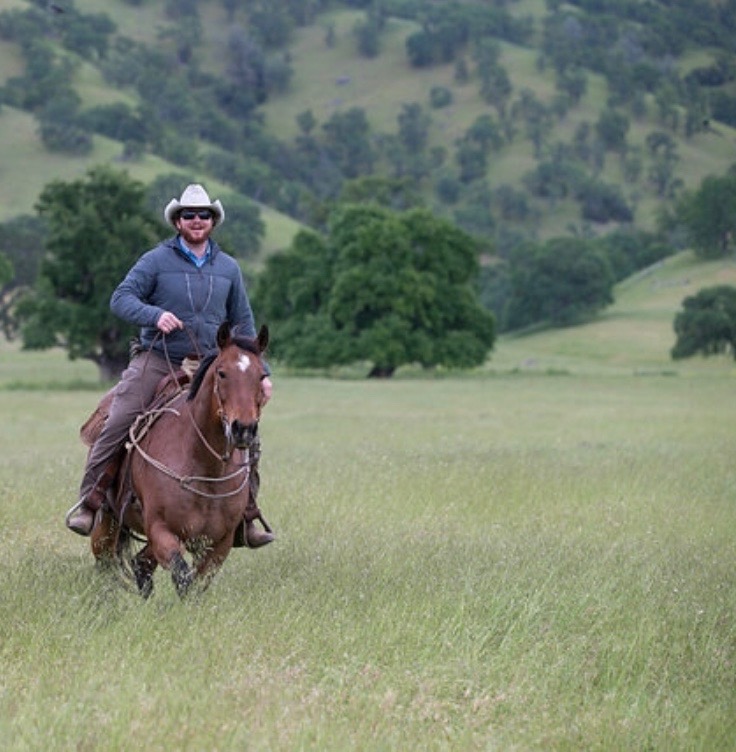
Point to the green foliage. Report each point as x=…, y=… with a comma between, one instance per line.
x=563, y=281
x=382, y=287
x=612, y=127
x=707, y=323
x=348, y=142
x=21, y=249
x=242, y=232
x=6, y=270
x=60, y=127
x=47, y=74
x=709, y=216
x=214, y=110
x=393, y=193
x=367, y=35
x=22, y=242
x=439, y=97
x=119, y=121
x=603, y=202
x=97, y=227
x=629, y=251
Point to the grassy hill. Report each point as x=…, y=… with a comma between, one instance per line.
x=27, y=166
x=328, y=79
x=634, y=335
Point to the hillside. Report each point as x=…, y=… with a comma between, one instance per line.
x=330, y=79
x=633, y=336
x=27, y=167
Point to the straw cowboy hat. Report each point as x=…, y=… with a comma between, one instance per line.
x=194, y=197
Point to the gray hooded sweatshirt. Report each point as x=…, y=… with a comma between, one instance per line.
x=164, y=279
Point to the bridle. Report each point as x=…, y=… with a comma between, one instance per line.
x=226, y=428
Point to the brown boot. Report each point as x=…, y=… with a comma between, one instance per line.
x=254, y=537
x=80, y=518
x=247, y=534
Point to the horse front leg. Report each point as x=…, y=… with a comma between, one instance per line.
x=144, y=565
x=181, y=574
x=167, y=549
x=208, y=562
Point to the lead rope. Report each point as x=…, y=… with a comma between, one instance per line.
x=186, y=481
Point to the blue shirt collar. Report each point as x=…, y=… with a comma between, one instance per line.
x=196, y=260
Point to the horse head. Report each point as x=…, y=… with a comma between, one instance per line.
x=235, y=372
x=238, y=373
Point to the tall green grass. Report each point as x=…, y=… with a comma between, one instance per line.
x=507, y=562
x=536, y=556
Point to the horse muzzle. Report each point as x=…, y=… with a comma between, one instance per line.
x=243, y=435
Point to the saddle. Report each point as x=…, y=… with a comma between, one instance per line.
x=114, y=489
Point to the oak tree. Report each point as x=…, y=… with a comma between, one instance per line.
x=96, y=228
x=381, y=287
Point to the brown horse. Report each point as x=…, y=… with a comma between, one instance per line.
x=188, y=469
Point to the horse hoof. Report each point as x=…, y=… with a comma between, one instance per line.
x=145, y=589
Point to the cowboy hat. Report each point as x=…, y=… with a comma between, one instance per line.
x=194, y=197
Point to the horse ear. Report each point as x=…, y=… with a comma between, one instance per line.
x=263, y=338
x=223, y=335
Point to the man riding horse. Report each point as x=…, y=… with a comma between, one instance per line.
x=178, y=293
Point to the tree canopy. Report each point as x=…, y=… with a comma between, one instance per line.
x=21, y=249
x=560, y=282
x=709, y=215
x=96, y=228
x=706, y=325
x=383, y=287
x=6, y=270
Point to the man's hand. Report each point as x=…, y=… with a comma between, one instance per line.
x=167, y=322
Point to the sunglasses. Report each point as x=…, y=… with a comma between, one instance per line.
x=204, y=214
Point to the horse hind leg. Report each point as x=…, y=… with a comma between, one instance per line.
x=103, y=539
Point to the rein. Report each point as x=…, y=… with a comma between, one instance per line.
x=187, y=481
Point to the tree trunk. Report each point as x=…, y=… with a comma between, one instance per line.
x=110, y=369
x=381, y=372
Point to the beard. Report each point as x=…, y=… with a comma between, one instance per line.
x=195, y=234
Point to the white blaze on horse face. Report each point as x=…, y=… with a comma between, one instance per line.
x=243, y=362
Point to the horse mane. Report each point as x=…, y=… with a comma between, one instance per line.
x=237, y=339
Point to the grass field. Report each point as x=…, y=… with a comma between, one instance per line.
x=535, y=556
x=500, y=563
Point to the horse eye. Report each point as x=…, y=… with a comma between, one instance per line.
x=221, y=373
